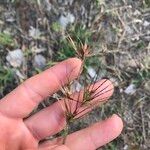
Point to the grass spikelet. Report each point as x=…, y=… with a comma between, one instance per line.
x=76, y=104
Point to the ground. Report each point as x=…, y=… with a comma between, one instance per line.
x=33, y=38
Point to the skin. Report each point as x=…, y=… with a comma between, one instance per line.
x=17, y=132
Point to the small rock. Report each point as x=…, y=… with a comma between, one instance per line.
x=137, y=21
x=135, y=38
x=126, y=147
x=76, y=86
x=1, y=22
x=91, y=72
x=65, y=20
x=132, y=63
x=121, y=90
x=137, y=13
x=39, y=61
x=129, y=30
x=9, y=16
x=34, y=33
x=47, y=4
x=71, y=2
x=15, y=58
x=130, y=89
x=146, y=23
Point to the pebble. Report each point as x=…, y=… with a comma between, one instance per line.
x=15, y=58
x=39, y=61
x=48, y=5
x=91, y=72
x=136, y=13
x=34, y=33
x=146, y=23
x=131, y=89
x=129, y=30
x=67, y=19
x=76, y=86
x=9, y=16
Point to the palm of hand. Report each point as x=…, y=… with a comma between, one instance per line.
x=15, y=135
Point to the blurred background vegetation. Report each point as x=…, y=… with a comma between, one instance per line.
x=33, y=37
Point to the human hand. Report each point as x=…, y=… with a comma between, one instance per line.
x=17, y=133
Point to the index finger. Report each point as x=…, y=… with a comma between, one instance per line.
x=20, y=102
